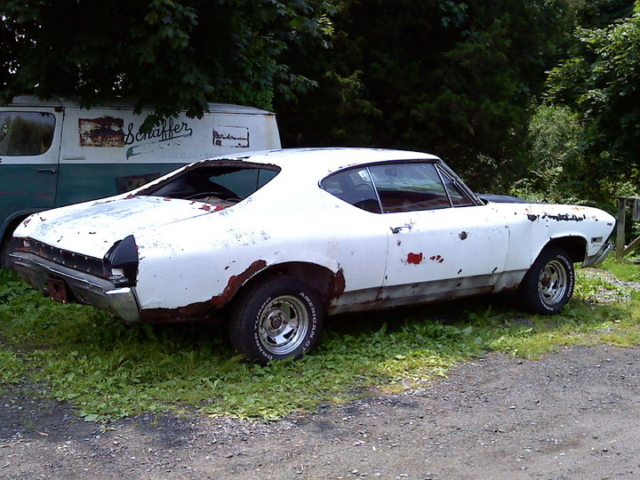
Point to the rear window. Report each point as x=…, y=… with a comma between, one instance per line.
x=26, y=133
x=222, y=184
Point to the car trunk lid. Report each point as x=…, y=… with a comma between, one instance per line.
x=92, y=228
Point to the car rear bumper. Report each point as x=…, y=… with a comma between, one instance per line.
x=79, y=287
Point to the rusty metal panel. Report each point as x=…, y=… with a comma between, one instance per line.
x=233, y=137
x=104, y=131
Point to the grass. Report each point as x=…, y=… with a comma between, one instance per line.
x=108, y=370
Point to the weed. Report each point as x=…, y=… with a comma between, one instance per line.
x=108, y=370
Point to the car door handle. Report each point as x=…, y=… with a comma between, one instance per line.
x=400, y=228
x=46, y=170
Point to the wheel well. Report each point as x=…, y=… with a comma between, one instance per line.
x=323, y=281
x=6, y=238
x=12, y=225
x=575, y=247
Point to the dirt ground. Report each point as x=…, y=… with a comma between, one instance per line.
x=574, y=414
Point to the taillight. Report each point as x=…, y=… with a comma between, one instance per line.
x=121, y=262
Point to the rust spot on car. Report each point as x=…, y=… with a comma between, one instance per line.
x=339, y=284
x=235, y=282
x=436, y=258
x=463, y=235
x=195, y=311
x=211, y=208
x=414, y=258
x=566, y=217
x=532, y=217
x=203, y=310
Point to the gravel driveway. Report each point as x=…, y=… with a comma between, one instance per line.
x=571, y=415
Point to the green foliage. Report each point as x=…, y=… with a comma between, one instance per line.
x=554, y=157
x=454, y=78
x=600, y=13
x=602, y=84
x=12, y=368
x=623, y=269
x=171, y=54
x=108, y=370
x=560, y=169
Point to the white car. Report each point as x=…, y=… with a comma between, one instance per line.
x=275, y=241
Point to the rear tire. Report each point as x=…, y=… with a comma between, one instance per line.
x=275, y=319
x=549, y=283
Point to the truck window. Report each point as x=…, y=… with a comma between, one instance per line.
x=25, y=133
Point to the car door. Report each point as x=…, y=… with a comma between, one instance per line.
x=29, y=151
x=443, y=244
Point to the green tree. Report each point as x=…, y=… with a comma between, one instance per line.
x=602, y=84
x=601, y=13
x=554, y=156
x=170, y=54
x=455, y=78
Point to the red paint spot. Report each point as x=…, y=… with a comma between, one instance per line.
x=209, y=208
x=436, y=258
x=414, y=258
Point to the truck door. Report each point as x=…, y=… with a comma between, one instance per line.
x=29, y=153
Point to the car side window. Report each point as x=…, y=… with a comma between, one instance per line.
x=26, y=133
x=457, y=195
x=406, y=187
x=354, y=187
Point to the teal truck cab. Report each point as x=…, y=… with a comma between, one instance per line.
x=55, y=153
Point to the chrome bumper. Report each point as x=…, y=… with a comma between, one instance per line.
x=599, y=257
x=84, y=288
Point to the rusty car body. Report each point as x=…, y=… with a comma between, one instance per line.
x=277, y=240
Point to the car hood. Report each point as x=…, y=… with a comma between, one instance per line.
x=92, y=228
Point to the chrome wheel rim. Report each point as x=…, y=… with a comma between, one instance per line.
x=553, y=283
x=283, y=325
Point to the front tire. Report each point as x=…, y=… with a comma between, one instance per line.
x=275, y=319
x=549, y=283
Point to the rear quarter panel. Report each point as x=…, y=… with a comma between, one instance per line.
x=206, y=259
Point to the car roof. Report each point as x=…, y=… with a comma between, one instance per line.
x=321, y=161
